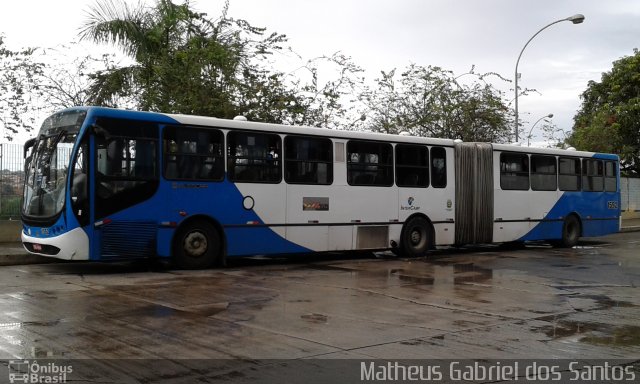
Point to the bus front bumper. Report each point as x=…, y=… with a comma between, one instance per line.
x=73, y=245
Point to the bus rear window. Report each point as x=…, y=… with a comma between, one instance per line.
x=610, y=176
x=592, y=175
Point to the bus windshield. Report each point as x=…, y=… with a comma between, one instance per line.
x=47, y=165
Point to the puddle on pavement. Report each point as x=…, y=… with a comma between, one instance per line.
x=605, y=302
x=625, y=336
x=592, y=332
x=317, y=318
x=417, y=272
x=208, y=309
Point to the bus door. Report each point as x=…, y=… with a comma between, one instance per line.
x=474, y=193
x=125, y=155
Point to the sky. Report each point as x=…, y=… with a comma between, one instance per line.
x=382, y=35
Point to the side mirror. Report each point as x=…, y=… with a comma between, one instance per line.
x=27, y=145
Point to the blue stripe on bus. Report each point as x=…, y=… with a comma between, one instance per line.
x=593, y=206
x=248, y=240
x=226, y=207
x=595, y=218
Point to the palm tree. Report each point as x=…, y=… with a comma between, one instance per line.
x=182, y=62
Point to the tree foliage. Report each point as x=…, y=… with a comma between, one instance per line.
x=19, y=90
x=328, y=87
x=431, y=101
x=66, y=77
x=609, y=118
x=184, y=62
x=181, y=61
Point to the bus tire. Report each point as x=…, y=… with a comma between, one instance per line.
x=415, y=238
x=570, y=232
x=197, y=245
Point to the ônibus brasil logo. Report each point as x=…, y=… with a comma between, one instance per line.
x=30, y=372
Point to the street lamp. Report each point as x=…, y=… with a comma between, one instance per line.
x=575, y=19
x=549, y=116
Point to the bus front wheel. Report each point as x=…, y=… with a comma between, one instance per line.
x=197, y=246
x=415, y=237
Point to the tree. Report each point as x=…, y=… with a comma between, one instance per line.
x=609, y=118
x=330, y=103
x=19, y=90
x=65, y=79
x=430, y=101
x=183, y=62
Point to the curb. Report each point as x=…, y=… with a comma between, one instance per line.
x=635, y=228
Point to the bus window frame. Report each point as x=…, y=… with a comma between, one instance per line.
x=218, y=160
x=577, y=174
x=235, y=161
x=588, y=178
x=413, y=166
x=533, y=183
x=380, y=167
x=328, y=160
x=517, y=173
x=442, y=172
x=608, y=178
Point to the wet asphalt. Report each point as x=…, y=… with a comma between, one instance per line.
x=478, y=303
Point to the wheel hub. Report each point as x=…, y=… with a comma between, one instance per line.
x=416, y=237
x=195, y=244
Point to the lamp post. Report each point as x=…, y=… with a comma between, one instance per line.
x=575, y=19
x=549, y=116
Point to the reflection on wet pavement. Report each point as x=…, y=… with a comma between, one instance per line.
x=488, y=302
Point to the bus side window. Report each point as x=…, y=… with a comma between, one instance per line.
x=438, y=167
x=610, y=176
x=543, y=173
x=514, y=171
x=308, y=160
x=369, y=163
x=193, y=154
x=254, y=157
x=592, y=175
x=569, y=174
x=412, y=166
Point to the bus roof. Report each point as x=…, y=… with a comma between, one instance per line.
x=307, y=130
x=552, y=151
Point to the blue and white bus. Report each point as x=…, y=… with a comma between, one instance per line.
x=107, y=184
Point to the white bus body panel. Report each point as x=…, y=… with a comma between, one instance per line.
x=268, y=202
x=73, y=245
x=518, y=212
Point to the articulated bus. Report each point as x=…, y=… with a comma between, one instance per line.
x=108, y=184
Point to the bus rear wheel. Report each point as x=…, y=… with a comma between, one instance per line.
x=570, y=232
x=415, y=237
x=197, y=246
